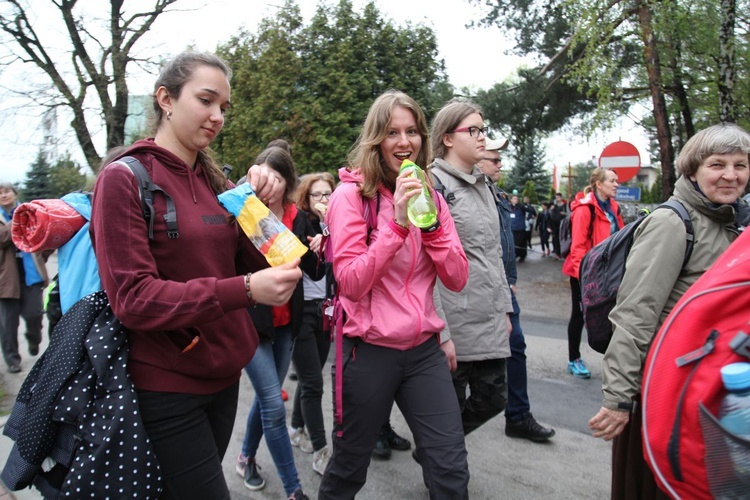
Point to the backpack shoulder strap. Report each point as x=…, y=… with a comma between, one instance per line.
x=677, y=207
x=148, y=188
x=448, y=194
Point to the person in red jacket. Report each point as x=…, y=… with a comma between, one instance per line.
x=595, y=215
x=184, y=299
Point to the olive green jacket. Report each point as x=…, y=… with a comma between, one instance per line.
x=653, y=284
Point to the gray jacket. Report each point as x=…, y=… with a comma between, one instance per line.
x=653, y=284
x=475, y=317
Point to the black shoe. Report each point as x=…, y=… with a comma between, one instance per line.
x=381, y=450
x=33, y=349
x=14, y=369
x=415, y=456
x=528, y=428
x=395, y=442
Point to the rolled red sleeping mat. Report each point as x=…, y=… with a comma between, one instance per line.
x=44, y=225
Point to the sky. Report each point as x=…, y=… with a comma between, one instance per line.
x=476, y=58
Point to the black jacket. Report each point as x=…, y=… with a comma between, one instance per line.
x=311, y=265
x=78, y=407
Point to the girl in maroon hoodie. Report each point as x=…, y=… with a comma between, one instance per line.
x=184, y=299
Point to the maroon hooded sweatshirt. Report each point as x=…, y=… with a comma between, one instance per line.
x=182, y=299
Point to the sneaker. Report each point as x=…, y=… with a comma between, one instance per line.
x=298, y=495
x=284, y=395
x=251, y=478
x=300, y=439
x=528, y=428
x=382, y=450
x=395, y=442
x=578, y=369
x=241, y=464
x=320, y=460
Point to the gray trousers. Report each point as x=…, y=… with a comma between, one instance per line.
x=419, y=381
x=30, y=308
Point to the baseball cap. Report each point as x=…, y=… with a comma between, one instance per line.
x=496, y=144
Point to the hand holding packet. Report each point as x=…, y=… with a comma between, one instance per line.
x=269, y=235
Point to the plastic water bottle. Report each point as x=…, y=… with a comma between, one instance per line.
x=734, y=415
x=420, y=209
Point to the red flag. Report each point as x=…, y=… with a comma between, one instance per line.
x=554, y=177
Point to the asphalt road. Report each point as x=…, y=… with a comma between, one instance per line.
x=573, y=465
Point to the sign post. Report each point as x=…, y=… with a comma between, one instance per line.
x=623, y=158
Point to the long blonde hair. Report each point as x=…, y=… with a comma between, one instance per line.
x=365, y=154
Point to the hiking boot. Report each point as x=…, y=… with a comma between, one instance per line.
x=528, y=428
x=320, y=460
x=298, y=495
x=578, y=369
x=300, y=439
x=395, y=442
x=382, y=450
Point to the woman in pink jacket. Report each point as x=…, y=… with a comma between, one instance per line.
x=594, y=216
x=386, y=275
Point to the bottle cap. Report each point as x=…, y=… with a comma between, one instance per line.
x=407, y=163
x=736, y=376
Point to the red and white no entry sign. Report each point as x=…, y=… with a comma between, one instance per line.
x=623, y=158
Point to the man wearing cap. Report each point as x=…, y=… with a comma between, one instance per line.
x=519, y=422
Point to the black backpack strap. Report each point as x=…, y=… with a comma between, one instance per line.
x=148, y=188
x=449, y=195
x=677, y=207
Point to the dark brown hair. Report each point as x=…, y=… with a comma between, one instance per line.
x=173, y=77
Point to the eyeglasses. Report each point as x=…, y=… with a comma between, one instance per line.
x=320, y=196
x=493, y=160
x=473, y=131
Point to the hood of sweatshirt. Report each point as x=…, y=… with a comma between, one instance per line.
x=169, y=161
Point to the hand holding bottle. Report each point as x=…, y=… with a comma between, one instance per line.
x=406, y=188
x=420, y=207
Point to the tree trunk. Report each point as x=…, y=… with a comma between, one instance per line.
x=653, y=68
x=727, y=108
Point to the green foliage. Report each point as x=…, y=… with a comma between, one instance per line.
x=529, y=166
x=656, y=194
x=551, y=194
x=313, y=85
x=65, y=177
x=38, y=185
x=645, y=193
x=529, y=189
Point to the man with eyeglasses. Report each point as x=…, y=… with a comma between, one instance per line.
x=519, y=422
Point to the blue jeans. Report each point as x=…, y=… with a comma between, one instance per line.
x=518, y=395
x=267, y=416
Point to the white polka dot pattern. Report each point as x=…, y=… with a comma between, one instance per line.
x=80, y=387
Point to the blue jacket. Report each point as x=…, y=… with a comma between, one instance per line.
x=506, y=235
x=517, y=218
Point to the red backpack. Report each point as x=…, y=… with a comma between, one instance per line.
x=683, y=441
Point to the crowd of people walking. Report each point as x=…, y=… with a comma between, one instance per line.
x=430, y=317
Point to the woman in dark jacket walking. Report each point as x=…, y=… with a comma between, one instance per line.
x=277, y=328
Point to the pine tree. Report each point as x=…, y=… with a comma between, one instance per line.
x=38, y=185
x=65, y=177
x=529, y=166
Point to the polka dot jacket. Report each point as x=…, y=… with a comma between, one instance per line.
x=75, y=422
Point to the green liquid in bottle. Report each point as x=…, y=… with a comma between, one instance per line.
x=420, y=209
